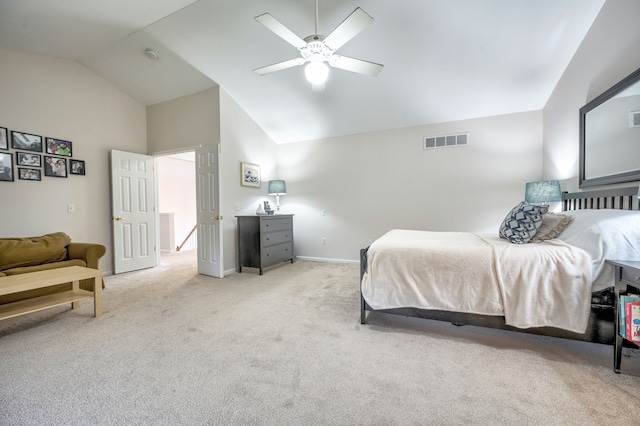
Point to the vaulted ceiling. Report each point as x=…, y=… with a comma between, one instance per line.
x=444, y=60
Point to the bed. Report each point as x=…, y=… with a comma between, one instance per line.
x=557, y=285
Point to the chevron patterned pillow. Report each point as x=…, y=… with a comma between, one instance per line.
x=522, y=222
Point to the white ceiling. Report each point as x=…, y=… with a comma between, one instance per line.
x=444, y=60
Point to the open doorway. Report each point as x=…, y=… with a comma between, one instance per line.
x=177, y=205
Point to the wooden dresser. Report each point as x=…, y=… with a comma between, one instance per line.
x=264, y=240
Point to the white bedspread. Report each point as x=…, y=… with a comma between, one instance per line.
x=531, y=285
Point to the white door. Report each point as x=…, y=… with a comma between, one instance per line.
x=209, y=216
x=133, y=215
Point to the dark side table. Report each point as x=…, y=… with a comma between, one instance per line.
x=264, y=240
x=627, y=280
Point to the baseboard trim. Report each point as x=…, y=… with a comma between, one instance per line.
x=307, y=258
x=325, y=259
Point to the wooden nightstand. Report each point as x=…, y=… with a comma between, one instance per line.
x=627, y=280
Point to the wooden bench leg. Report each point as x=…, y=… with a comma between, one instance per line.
x=75, y=285
x=97, y=297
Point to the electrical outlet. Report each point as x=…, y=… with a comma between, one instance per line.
x=324, y=212
x=236, y=207
x=324, y=241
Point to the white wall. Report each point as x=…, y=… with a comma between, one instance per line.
x=367, y=183
x=62, y=99
x=608, y=53
x=242, y=141
x=184, y=122
x=372, y=182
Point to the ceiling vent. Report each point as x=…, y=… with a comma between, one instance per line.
x=634, y=119
x=447, y=141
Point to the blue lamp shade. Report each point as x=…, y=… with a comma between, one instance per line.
x=543, y=191
x=277, y=187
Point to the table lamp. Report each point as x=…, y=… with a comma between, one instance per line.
x=277, y=188
x=543, y=191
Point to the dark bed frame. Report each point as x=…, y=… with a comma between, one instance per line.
x=600, y=328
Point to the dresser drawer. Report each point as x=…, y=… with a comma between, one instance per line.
x=275, y=224
x=630, y=276
x=273, y=238
x=274, y=254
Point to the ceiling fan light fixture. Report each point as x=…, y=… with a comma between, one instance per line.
x=316, y=72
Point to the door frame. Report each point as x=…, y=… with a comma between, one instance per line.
x=155, y=156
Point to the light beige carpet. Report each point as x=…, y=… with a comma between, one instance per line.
x=287, y=348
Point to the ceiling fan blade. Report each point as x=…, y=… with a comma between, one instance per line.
x=356, y=22
x=355, y=65
x=279, y=66
x=280, y=30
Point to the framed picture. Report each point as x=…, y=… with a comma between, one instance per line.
x=27, y=159
x=58, y=147
x=29, y=174
x=26, y=141
x=77, y=167
x=6, y=167
x=55, y=166
x=4, y=141
x=250, y=175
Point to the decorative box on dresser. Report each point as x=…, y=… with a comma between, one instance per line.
x=264, y=240
x=627, y=280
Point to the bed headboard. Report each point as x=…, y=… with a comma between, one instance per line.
x=619, y=199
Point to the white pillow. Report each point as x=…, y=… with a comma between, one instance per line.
x=552, y=225
x=604, y=234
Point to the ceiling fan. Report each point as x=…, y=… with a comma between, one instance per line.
x=317, y=50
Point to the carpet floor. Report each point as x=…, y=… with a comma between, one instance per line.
x=287, y=348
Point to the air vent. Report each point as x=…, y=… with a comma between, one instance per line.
x=634, y=119
x=447, y=141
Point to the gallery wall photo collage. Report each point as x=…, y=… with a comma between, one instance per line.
x=26, y=156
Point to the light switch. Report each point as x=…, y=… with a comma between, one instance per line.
x=71, y=208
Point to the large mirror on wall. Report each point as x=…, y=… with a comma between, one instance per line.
x=610, y=135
